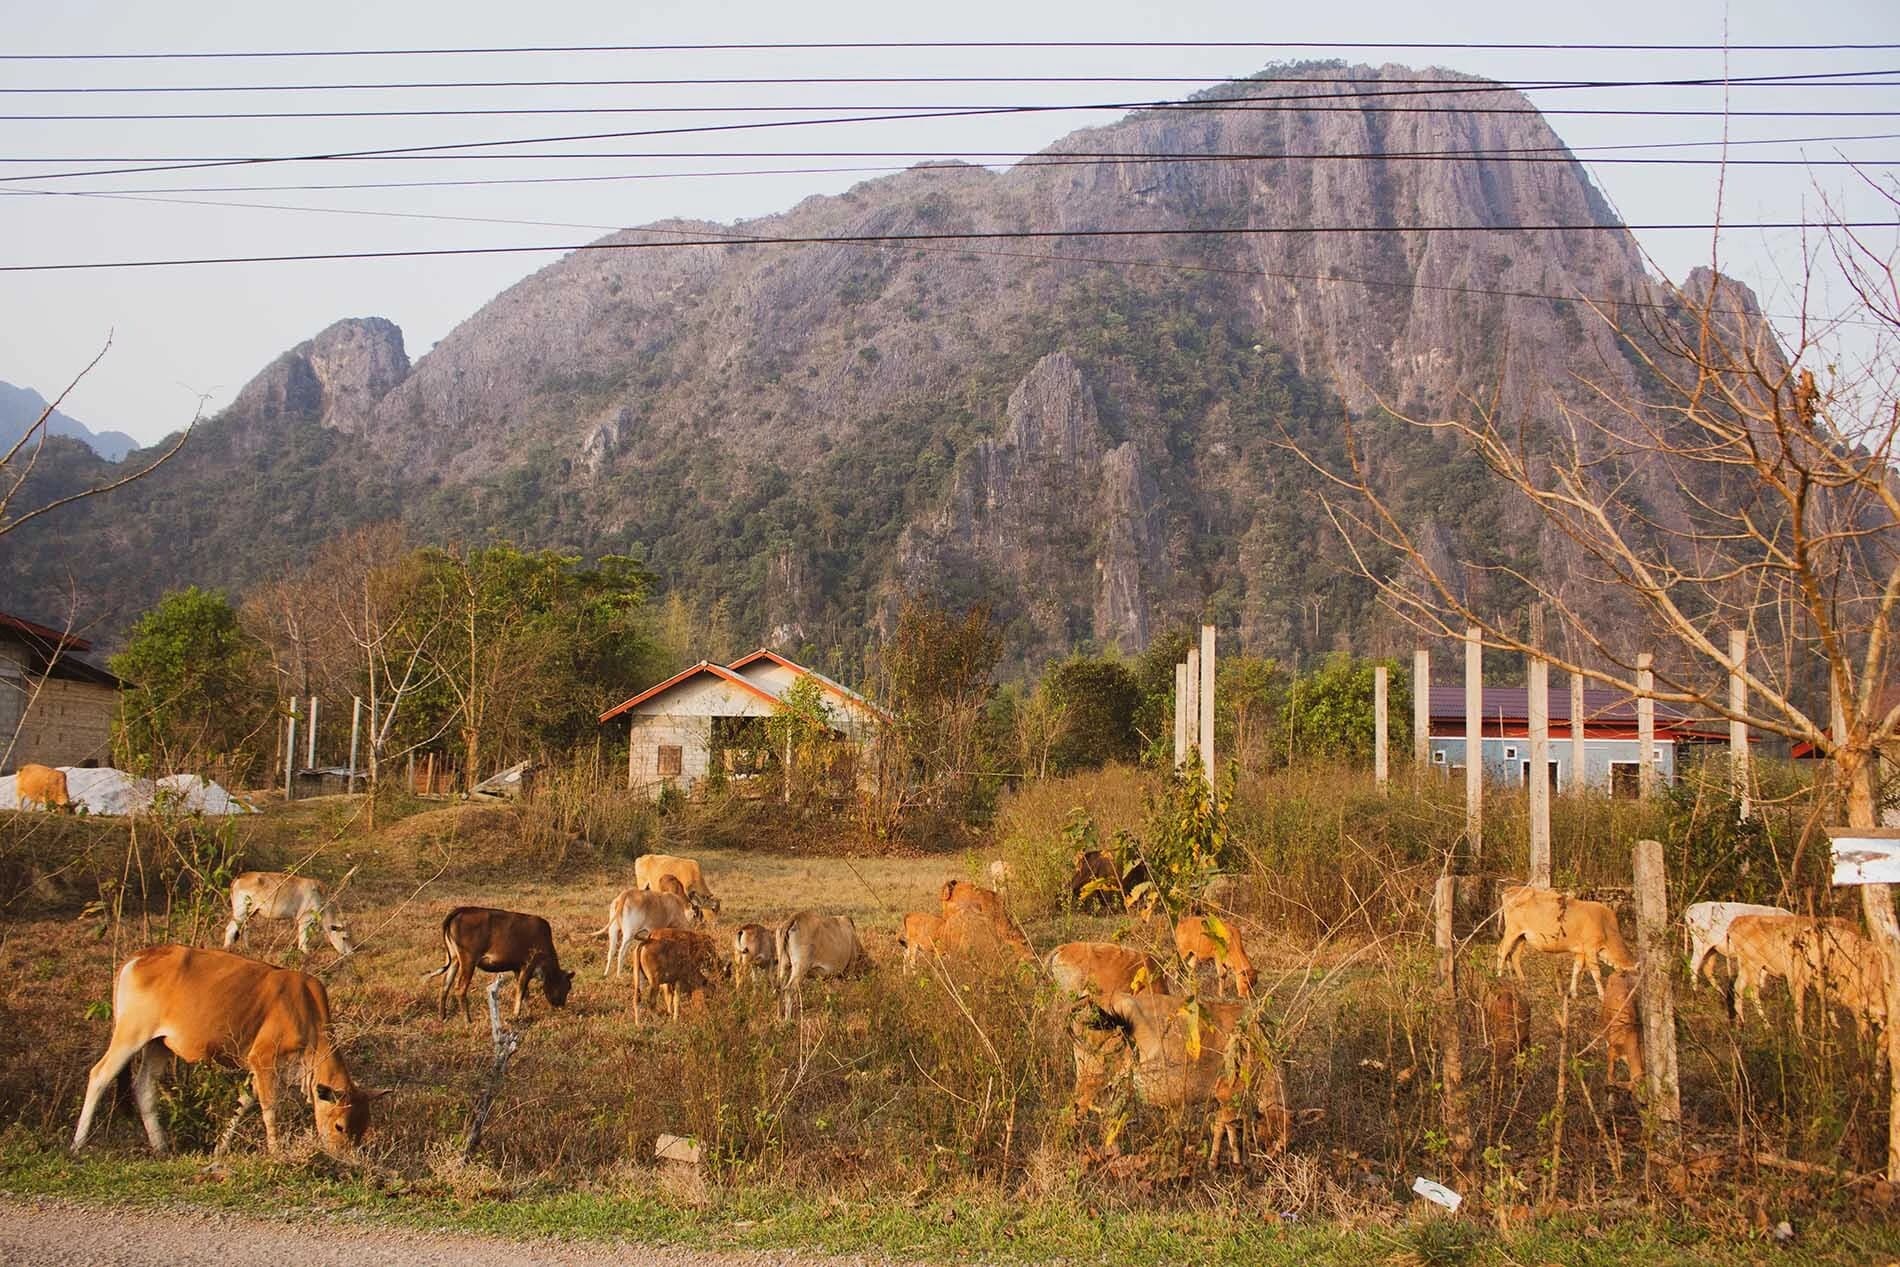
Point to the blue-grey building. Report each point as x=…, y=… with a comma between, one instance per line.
x=1611, y=754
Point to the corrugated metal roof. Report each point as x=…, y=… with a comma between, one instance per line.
x=1512, y=703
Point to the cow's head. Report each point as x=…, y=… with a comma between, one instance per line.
x=557, y=982
x=339, y=936
x=342, y=1116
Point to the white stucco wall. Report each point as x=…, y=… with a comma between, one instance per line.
x=848, y=715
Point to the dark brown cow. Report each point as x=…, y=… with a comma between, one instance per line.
x=1098, y=881
x=499, y=941
x=673, y=961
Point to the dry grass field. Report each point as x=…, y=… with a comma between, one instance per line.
x=894, y=1093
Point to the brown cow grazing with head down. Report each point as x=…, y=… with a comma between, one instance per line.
x=673, y=961
x=41, y=786
x=1232, y=1067
x=1097, y=969
x=1559, y=924
x=1507, y=1024
x=1099, y=882
x=963, y=903
x=499, y=941
x=1618, y=1017
x=210, y=1005
x=810, y=943
x=649, y=869
x=1208, y=937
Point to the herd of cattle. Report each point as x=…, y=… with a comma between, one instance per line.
x=1129, y=1025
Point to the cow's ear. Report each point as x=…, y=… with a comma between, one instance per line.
x=326, y=1094
x=368, y=1094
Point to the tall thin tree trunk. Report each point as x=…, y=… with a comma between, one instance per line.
x=1876, y=902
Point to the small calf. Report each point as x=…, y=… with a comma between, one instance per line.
x=1507, y=1023
x=922, y=934
x=1620, y=1024
x=1560, y=924
x=637, y=910
x=1198, y=937
x=960, y=897
x=499, y=941
x=673, y=961
x=280, y=895
x=754, y=946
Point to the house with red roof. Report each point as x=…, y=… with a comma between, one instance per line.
x=709, y=719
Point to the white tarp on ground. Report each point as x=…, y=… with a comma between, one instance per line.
x=105, y=790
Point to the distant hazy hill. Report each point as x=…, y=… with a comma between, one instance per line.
x=20, y=408
x=1090, y=435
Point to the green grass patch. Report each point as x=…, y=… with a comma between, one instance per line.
x=947, y=1227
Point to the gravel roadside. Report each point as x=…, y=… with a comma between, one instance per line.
x=41, y=1233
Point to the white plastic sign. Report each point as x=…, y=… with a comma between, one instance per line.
x=1437, y=1192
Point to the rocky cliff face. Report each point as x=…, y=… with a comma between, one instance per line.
x=1089, y=434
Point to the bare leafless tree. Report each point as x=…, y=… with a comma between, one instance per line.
x=1747, y=483
x=19, y=462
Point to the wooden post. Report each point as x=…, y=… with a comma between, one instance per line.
x=356, y=730
x=409, y=774
x=1379, y=726
x=1206, y=711
x=1645, y=727
x=1421, y=708
x=1474, y=744
x=1738, y=729
x=428, y=776
x=290, y=753
x=1451, y=1063
x=1193, y=695
x=1579, y=776
x=1538, y=690
x=310, y=751
x=1180, y=714
x=1655, y=953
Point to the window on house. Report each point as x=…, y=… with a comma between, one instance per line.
x=1510, y=752
x=1625, y=780
x=671, y=758
x=1524, y=773
x=1438, y=757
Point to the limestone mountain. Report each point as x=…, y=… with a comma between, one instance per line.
x=1093, y=434
x=22, y=407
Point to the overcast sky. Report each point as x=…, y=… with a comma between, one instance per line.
x=179, y=334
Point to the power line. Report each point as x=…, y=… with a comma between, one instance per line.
x=1203, y=105
x=958, y=236
x=808, y=46
x=1798, y=79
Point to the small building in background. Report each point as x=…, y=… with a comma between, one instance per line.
x=56, y=706
x=1611, y=752
x=710, y=720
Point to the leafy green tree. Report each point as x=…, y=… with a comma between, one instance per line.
x=935, y=679
x=1329, y=712
x=199, y=694
x=1097, y=698
x=798, y=730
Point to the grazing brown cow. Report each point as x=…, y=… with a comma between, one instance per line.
x=1560, y=924
x=1099, y=882
x=673, y=961
x=499, y=941
x=1619, y=1019
x=1099, y=969
x=921, y=934
x=1768, y=946
x=1850, y=971
x=649, y=869
x=636, y=910
x=810, y=943
x=1232, y=1068
x=1198, y=937
x=41, y=786
x=280, y=895
x=1507, y=1024
x=754, y=946
x=212, y=1005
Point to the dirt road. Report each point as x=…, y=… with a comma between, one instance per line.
x=43, y=1233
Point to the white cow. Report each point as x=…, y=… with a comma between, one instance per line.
x=1705, y=928
x=280, y=895
x=637, y=911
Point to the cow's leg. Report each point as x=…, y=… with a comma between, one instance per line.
x=612, y=967
x=1505, y=946
x=246, y=1101
x=1596, y=973
x=465, y=977
x=119, y=1054
x=264, y=1088
x=145, y=1092
x=306, y=923
x=521, y=986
